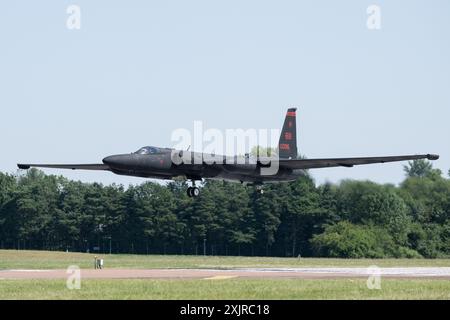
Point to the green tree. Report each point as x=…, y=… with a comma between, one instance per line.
x=267, y=212
x=202, y=219
x=259, y=151
x=428, y=199
x=350, y=219
x=8, y=221
x=367, y=203
x=240, y=238
x=156, y=210
x=300, y=213
x=328, y=203
x=346, y=240
x=421, y=168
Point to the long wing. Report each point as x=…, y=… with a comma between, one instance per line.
x=348, y=162
x=66, y=166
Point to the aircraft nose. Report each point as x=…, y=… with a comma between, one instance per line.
x=115, y=161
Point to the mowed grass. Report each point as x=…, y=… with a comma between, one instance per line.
x=23, y=259
x=225, y=289
x=211, y=289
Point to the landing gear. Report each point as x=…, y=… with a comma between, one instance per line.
x=260, y=189
x=193, y=192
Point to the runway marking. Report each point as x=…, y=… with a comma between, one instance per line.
x=220, y=277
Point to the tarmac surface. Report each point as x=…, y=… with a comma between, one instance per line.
x=248, y=273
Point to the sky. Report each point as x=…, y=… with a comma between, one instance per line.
x=136, y=71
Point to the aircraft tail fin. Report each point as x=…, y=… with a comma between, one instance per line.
x=287, y=145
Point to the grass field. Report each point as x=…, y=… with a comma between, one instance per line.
x=211, y=289
x=225, y=289
x=13, y=259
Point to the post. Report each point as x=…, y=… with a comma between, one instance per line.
x=204, y=246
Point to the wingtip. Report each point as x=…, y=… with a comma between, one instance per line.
x=23, y=166
x=432, y=156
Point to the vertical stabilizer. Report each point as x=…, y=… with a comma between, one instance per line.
x=287, y=146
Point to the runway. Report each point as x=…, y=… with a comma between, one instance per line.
x=243, y=273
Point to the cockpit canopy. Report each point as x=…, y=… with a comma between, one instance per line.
x=147, y=150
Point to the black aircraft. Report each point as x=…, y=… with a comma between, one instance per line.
x=167, y=163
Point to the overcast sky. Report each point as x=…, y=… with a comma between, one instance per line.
x=137, y=70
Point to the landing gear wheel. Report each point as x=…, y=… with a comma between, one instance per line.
x=260, y=190
x=193, y=192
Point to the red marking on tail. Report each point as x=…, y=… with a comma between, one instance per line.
x=288, y=136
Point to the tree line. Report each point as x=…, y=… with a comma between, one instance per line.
x=352, y=219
